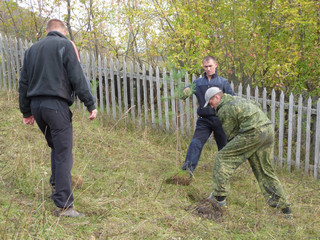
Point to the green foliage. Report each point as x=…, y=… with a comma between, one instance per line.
x=21, y=23
x=175, y=77
x=272, y=44
x=269, y=44
x=187, y=32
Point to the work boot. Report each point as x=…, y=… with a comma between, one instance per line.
x=287, y=212
x=220, y=203
x=69, y=212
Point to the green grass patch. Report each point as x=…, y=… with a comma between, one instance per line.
x=123, y=192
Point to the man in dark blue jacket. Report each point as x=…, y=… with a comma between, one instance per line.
x=51, y=77
x=207, y=121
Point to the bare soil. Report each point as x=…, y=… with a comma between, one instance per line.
x=207, y=209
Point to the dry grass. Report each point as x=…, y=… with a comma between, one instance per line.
x=121, y=174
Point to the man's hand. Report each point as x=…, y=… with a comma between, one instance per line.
x=28, y=120
x=187, y=91
x=93, y=114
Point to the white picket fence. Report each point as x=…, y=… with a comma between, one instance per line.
x=148, y=97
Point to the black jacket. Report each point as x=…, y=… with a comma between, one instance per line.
x=51, y=69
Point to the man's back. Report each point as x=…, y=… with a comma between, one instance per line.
x=45, y=67
x=51, y=69
x=239, y=115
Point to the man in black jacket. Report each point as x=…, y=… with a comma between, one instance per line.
x=51, y=76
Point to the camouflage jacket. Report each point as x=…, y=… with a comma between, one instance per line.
x=239, y=115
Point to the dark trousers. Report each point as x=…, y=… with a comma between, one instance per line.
x=204, y=128
x=56, y=125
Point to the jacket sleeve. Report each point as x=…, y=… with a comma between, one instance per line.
x=227, y=88
x=24, y=102
x=78, y=80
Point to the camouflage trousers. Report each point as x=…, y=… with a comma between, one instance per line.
x=257, y=147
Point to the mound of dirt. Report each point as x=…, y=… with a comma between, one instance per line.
x=179, y=180
x=208, y=209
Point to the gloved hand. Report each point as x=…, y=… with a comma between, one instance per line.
x=187, y=92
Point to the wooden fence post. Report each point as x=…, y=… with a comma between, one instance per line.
x=145, y=94
x=264, y=101
x=125, y=87
x=180, y=109
x=240, y=90
x=299, y=127
x=308, y=137
x=94, y=76
x=194, y=106
x=138, y=79
x=281, y=129
x=100, y=84
x=2, y=67
x=317, y=142
x=113, y=90
x=290, y=130
x=159, y=100
x=175, y=123
x=17, y=62
x=256, y=94
x=132, y=97
x=166, y=100
x=12, y=65
x=273, y=118
x=248, y=92
x=119, y=88
x=106, y=84
x=151, y=97
x=187, y=104
x=7, y=57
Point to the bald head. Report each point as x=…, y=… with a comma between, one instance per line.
x=56, y=25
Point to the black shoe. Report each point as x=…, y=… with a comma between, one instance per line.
x=287, y=212
x=219, y=202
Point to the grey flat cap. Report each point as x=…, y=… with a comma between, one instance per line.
x=210, y=93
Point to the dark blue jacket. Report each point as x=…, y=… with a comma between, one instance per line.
x=200, y=87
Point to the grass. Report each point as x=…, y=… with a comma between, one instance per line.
x=123, y=192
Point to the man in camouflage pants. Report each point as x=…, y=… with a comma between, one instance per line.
x=250, y=136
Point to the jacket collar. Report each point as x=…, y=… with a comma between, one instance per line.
x=56, y=33
x=213, y=76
